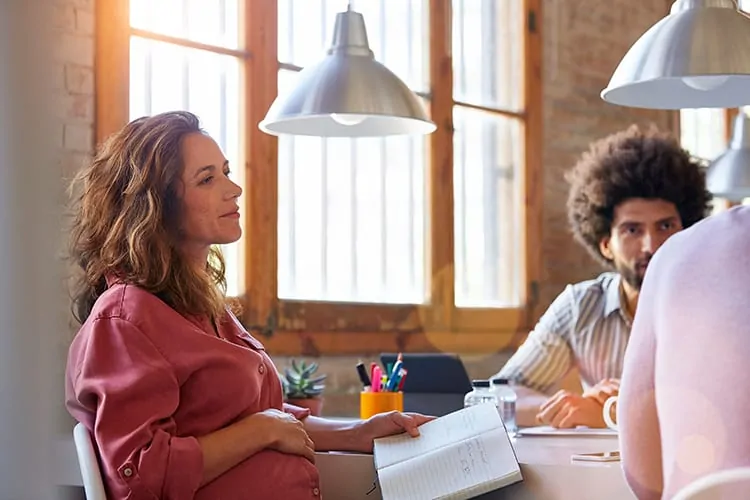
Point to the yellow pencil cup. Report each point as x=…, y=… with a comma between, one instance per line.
x=372, y=403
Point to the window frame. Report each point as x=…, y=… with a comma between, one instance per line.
x=295, y=327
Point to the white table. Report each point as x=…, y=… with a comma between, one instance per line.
x=548, y=472
x=546, y=466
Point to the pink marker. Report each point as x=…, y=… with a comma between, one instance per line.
x=376, y=374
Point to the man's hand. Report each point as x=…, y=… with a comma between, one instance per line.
x=566, y=410
x=603, y=390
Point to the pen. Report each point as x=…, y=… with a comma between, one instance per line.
x=403, y=373
x=363, y=377
x=393, y=378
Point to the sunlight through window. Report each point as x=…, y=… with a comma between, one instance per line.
x=168, y=75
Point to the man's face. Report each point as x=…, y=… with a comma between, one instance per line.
x=639, y=227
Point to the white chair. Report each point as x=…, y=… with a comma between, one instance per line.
x=89, y=465
x=730, y=484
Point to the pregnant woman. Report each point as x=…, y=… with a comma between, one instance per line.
x=182, y=402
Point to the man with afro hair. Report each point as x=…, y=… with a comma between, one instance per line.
x=628, y=193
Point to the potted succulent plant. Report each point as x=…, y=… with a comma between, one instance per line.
x=302, y=388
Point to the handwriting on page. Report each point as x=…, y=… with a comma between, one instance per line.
x=437, y=434
x=472, y=455
x=476, y=464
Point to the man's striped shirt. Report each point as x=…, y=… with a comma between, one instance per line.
x=585, y=327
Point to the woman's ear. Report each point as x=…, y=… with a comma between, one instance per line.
x=604, y=248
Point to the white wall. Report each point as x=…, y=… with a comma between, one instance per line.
x=33, y=307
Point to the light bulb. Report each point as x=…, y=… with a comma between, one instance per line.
x=705, y=82
x=348, y=120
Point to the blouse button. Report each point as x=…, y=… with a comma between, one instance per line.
x=127, y=471
x=262, y=369
x=316, y=491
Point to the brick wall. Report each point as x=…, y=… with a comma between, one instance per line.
x=75, y=80
x=583, y=41
x=74, y=88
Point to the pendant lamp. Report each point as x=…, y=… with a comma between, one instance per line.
x=348, y=93
x=728, y=175
x=696, y=57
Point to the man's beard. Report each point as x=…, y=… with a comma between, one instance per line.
x=633, y=274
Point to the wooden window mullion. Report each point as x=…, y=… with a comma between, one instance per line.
x=533, y=138
x=440, y=178
x=112, y=67
x=729, y=116
x=259, y=82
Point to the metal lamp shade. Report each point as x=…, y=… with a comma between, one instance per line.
x=728, y=175
x=696, y=57
x=348, y=94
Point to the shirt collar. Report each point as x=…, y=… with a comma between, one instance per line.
x=612, y=296
x=613, y=299
x=112, y=279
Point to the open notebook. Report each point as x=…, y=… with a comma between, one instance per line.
x=459, y=456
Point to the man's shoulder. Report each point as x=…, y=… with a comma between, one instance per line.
x=584, y=297
x=596, y=288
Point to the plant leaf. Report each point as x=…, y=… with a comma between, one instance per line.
x=309, y=369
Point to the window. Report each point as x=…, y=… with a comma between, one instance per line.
x=703, y=132
x=351, y=225
x=706, y=133
x=166, y=74
x=354, y=245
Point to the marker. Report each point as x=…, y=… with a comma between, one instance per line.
x=376, y=378
x=363, y=377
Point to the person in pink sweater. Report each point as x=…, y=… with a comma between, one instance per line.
x=181, y=400
x=682, y=411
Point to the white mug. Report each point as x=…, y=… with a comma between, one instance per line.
x=607, y=412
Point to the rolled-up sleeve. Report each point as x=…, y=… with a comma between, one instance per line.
x=545, y=356
x=136, y=393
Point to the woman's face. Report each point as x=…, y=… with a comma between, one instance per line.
x=210, y=212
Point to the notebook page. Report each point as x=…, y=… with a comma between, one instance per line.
x=451, y=428
x=479, y=464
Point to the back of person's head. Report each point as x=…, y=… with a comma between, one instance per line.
x=632, y=164
x=126, y=219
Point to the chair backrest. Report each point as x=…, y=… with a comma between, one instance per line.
x=89, y=465
x=729, y=484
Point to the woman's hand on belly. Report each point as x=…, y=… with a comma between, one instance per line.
x=287, y=434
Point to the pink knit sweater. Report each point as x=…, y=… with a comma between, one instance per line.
x=684, y=405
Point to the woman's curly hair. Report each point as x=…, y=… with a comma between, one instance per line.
x=632, y=163
x=127, y=216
